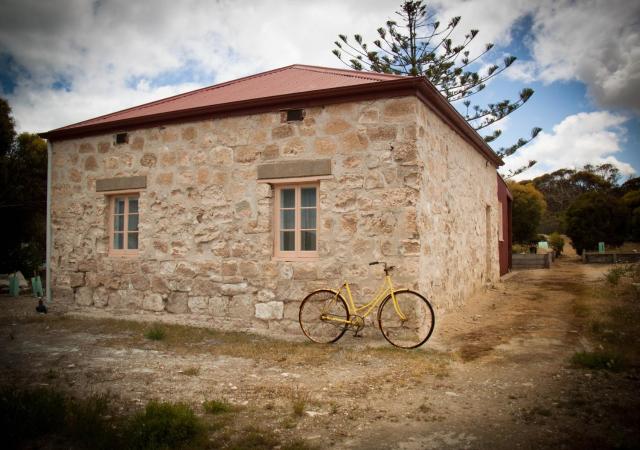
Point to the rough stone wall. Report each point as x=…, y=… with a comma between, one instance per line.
x=206, y=223
x=459, y=246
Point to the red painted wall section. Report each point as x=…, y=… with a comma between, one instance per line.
x=504, y=243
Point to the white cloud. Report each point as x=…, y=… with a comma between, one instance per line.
x=579, y=139
x=594, y=41
x=113, y=52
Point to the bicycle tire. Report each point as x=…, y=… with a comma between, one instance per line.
x=418, y=327
x=313, y=326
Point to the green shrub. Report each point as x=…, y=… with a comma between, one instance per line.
x=87, y=422
x=556, y=242
x=30, y=413
x=165, y=426
x=613, y=275
x=216, y=406
x=27, y=414
x=599, y=361
x=155, y=333
x=519, y=248
x=596, y=217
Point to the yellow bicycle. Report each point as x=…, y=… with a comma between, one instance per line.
x=405, y=317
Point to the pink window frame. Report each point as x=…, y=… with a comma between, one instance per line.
x=296, y=254
x=112, y=201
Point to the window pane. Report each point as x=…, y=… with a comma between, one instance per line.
x=287, y=241
x=287, y=198
x=287, y=219
x=308, y=240
x=308, y=219
x=119, y=206
x=118, y=223
x=118, y=241
x=133, y=222
x=132, y=241
x=133, y=205
x=308, y=196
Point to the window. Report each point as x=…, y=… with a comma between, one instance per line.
x=123, y=224
x=296, y=221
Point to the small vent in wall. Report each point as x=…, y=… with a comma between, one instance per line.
x=122, y=138
x=294, y=115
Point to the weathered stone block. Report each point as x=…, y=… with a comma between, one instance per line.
x=337, y=126
x=138, y=143
x=241, y=306
x=153, y=302
x=198, y=305
x=76, y=279
x=270, y=310
x=219, y=306
x=281, y=132
x=177, y=303
x=100, y=297
x=84, y=296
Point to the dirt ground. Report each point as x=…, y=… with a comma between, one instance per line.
x=496, y=373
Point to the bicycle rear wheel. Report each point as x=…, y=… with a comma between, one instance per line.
x=323, y=316
x=415, y=328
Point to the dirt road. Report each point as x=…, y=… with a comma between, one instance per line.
x=496, y=374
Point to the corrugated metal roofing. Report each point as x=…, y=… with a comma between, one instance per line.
x=286, y=80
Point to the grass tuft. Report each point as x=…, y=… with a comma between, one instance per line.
x=599, y=361
x=216, y=406
x=164, y=426
x=155, y=333
x=191, y=371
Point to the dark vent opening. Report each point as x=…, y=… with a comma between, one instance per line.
x=122, y=138
x=295, y=115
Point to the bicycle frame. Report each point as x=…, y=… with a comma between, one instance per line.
x=385, y=290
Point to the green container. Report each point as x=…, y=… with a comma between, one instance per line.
x=36, y=287
x=600, y=247
x=14, y=287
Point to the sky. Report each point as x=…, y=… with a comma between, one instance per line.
x=63, y=61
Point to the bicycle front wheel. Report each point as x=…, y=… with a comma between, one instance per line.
x=408, y=322
x=323, y=316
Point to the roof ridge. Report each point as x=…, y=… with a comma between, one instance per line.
x=347, y=72
x=182, y=95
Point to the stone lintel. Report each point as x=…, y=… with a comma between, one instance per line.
x=294, y=169
x=121, y=183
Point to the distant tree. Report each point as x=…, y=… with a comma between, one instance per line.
x=527, y=209
x=420, y=46
x=596, y=217
x=7, y=129
x=562, y=187
x=556, y=242
x=632, y=201
x=632, y=184
x=23, y=195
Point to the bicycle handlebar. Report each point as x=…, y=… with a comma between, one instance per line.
x=386, y=268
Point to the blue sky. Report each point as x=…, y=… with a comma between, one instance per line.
x=63, y=61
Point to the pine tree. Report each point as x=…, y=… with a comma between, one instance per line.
x=420, y=46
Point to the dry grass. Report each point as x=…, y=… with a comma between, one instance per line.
x=196, y=340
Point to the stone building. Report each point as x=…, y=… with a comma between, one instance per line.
x=228, y=204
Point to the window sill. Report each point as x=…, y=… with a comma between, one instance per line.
x=295, y=258
x=123, y=255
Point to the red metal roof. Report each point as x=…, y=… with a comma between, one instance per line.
x=286, y=80
x=295, y=86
